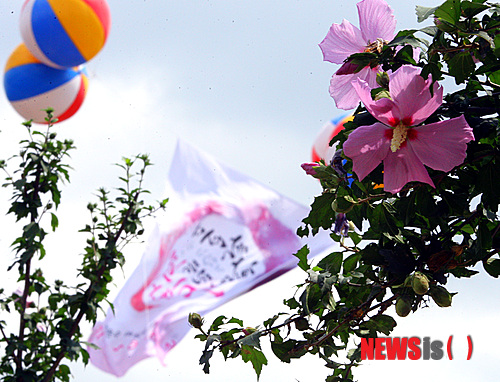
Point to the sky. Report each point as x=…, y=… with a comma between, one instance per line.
x=245, y=82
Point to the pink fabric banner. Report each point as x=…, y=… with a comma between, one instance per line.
x=222, y=234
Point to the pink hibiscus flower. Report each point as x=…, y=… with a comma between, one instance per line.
x=377, y=26
x=397, y=141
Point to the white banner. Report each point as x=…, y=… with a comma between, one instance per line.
x=222, y=234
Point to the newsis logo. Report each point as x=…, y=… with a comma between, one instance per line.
x=413, y=348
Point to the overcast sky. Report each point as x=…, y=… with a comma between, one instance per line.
x=244, y=81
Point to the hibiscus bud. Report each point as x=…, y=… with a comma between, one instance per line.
x=403, y=306
x=309, y=168
x=440, y=296
x=382, y=93
x=249, y=330
x=195, y=320
x=301, y=324
x=383, y=80
x=420, y=283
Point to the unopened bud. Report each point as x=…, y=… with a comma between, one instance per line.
x=249, y=330
x=420, y=283
x=195, y=320
x=383, y=80
x=301, y=324
x=440, y=296
x=403, y=306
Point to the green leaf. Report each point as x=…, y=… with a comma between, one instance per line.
x=432, y=69
x=252, y=340
x=487, y=182
x=311, y=298
x=461, y=66
x=423, y=13
x=470, y=9
x=205, y=360
x=495, y=77
x=31, y=230
x=492, y=266
x=351, y=262
x=255, y=356
x=287, y=350
x=332, y=263
x=380, y=323
x=321, y=214
x=449, y=11
x=54, y=221
x=217, y=323
x=235, y=321
x=302, y=256
x=430, y=30
x=463, y=272
x=496, y=42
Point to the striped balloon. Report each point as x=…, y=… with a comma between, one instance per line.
x=65, y=33
x=32, y=86
x=321, y=147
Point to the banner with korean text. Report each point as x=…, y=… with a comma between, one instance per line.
x=222, y=234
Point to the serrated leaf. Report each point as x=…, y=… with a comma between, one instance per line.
x=252, y=340
x=487, y=37
x=287, y=350
x=351, y=262
x=495, y=77
x=302, y=256
x=255, y=356
x=430, y=30
x=492, y=266
x=311, y=298
x=332, y=263
x=321, y=214
x=380, y=323
x=54, y=222
x=449, y=11
x=423, y=13
x=235, y=321
x=217, y=323
x=205, y=360
x=461, y=66
x=488, y=177
x=470, y=9
x=496, y=41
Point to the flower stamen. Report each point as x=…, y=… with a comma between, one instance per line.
x=399, y=135
x=375, y=46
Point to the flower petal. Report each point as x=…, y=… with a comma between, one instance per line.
x=442, y=145
x=367, y=146
x=401, y=167
x=383, y=109
x=341, y=41
x=376, y=20
x=342, y=90
x=411, y=94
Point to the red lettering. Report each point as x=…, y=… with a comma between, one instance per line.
x=414, y=350
x=396, y=348
x=366, y=349
x=379, y=348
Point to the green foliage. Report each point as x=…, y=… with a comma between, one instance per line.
x=50, y=314
x=400, y=249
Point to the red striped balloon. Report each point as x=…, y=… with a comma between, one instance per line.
x=321, y=147
x=31, y=86
x=65, y=33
